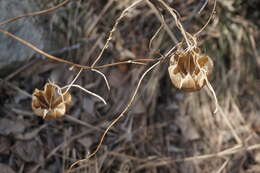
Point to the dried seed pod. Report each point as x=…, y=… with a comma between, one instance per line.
x=49, y=103
x=188, y=70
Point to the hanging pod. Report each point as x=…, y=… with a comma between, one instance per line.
x=49, y=103
x=188, y=70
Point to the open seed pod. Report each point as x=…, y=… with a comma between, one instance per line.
x=48, y=103
x=189, y=69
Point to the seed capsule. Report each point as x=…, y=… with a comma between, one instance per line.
x=49, y=103
x=188, y=70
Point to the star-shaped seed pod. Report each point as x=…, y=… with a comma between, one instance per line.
x=189, y=70
x=50, y=103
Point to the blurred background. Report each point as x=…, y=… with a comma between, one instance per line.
x=165, y=125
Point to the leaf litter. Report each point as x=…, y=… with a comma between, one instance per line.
x=145, y=151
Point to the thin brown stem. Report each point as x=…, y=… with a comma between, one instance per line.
x=210, y=17
x=154, y=36
x=177, y=21
x=161, y=18
x=123, y=14
x=30, y=45
x=40, y=51
x=118, y=118
x=35, y=13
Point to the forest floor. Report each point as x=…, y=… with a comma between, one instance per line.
x=166, y=129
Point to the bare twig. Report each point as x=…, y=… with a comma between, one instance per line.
x=73, y=81
x=203, y=6
x=210, y=17
x=104, y=77
x=227, y=121
x=35, y=13
x=177, y=21
x=223, y=166
x=138, y=61
x=118, y=118
x=154, y=36
x=163, y=24
x=87, y=91
x=39, y=50
x=123, y=14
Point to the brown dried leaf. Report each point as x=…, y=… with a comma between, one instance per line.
x=187, y=69
x=48, y=103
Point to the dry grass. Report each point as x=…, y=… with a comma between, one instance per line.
x=165, y=130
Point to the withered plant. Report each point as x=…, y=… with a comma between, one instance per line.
x=189, y=69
